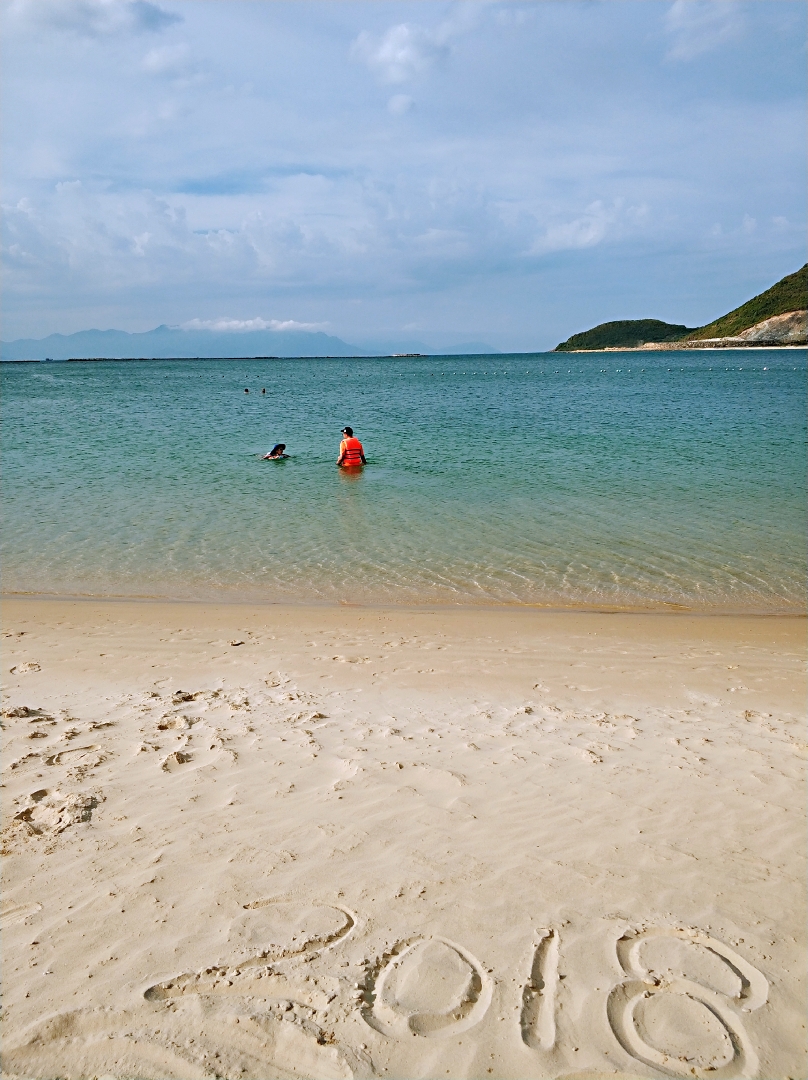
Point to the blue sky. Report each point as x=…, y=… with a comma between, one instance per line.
x=504, y=172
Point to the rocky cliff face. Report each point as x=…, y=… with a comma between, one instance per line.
x=788, y=329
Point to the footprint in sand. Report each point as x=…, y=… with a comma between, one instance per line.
x=25, y=669
x=678, y=1010
x=180, y=696
x=276, y=678
x=191, y=758
x=174, y=723
x=45, y=812
x=16, y=913
x=175, y=761
x=426, y=986
x=77, y=755
x=26, y=759
x=438, y=787
x=202, y=746
x=25, y=712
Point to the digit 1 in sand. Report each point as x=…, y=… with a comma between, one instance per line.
x=538, y=997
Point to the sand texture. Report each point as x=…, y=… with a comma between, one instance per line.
x=251, y=842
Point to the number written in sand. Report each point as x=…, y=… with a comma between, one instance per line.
x=678, y=1008
x=426, y=986
x=537, y=1018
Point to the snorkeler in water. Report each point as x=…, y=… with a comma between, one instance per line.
x=276, y=453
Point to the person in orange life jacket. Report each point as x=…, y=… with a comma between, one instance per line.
x=351, y=451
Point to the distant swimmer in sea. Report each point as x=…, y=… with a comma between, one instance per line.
x=276, y=453
x=351, y=452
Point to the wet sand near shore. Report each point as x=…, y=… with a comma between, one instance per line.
x=267, y=841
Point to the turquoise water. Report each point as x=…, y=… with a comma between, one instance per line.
x=652, y=480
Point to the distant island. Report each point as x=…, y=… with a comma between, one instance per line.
x=173, y=342
x=778, y=316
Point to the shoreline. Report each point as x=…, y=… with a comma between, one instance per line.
x=662, y=347
x=249, y=840
x=657, y=347
x=661, y=609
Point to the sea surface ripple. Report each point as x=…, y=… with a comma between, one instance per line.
x=649, y=481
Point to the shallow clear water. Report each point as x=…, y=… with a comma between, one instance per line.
x=547, y=479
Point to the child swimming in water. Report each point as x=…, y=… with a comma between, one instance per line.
x=276, y=453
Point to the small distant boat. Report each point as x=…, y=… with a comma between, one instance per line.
x=400, y=354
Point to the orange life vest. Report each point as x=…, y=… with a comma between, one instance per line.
x=351, y=451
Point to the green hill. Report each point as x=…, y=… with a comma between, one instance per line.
x=625, y=334
x=789, y=294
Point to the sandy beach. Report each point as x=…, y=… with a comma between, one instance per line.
x=332, y=842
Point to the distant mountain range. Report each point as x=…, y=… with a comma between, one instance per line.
x=167, y=341
x=776, y=316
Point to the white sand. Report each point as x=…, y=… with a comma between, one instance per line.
x=407, y=844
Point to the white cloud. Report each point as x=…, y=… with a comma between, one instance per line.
x=699, y=26
x=279, y=182
x=170, y=61
x=584, y=231
x=597, y=223
x=513, y=16
x=402, y=53
x=234, y=325
x=91, y=18
x=407, y=50
x=400, y=104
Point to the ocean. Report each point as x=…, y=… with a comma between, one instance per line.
x=632, y=481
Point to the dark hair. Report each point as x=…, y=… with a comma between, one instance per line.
x=278, y=448
x=347, y=431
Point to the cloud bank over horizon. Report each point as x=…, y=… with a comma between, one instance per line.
x=239, y=326
x=507, y=171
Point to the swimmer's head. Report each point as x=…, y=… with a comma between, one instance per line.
x=347, y=431
x=278, y=448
